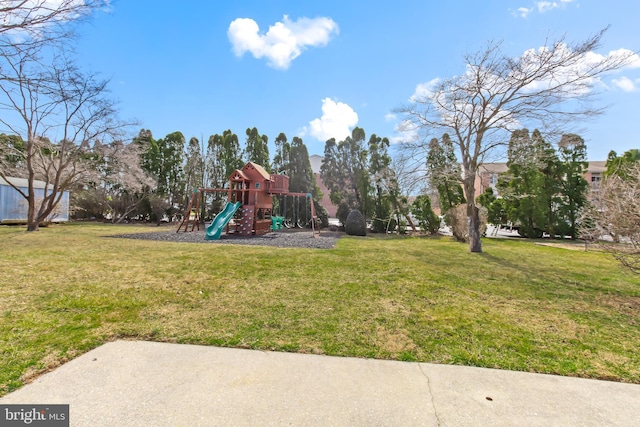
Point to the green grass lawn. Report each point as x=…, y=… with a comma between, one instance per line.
x=67, y=289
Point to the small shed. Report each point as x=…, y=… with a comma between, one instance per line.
x=13, y=207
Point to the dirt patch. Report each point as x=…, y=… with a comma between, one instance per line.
x=47, y=364
x=573, y=246
x=394, y=342
x=627, y=304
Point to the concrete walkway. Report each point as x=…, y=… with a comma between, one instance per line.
x=133, y=383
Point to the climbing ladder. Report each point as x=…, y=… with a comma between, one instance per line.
x=192, y=215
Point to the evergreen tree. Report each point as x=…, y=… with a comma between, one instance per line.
x=443, y=173
x=213, y=164
x=621, y=165
x=379, y=170
x=551, y=183
x=302, y=179
x=427, y=219
x=573, y=153
x=518, y=186
x=359, y=177
x=496, y=212
x=532, y=185
x=335, y=175
x=345, y=173
x=283, y=150
x=163, y=159
x=257, y=149
x=223, y=157
x=194, y=165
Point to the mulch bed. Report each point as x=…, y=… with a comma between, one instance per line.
x=281, y=238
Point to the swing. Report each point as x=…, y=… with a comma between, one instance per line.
x=297, y=218
x=287, y=220
x=299, y=223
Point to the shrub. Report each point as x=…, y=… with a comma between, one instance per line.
x=427, y=219
x=456, y=218
x=356, y=224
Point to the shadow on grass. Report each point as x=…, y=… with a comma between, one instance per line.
x=524, y=267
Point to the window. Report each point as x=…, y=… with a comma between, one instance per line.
x=257, y=185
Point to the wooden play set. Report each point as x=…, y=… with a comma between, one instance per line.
x=249, y=207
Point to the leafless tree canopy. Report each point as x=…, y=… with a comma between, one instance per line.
x=57, y=109
x=28, y=22
x=545, y=88
x=614, y=217
x=119, y=178
x=409, y=174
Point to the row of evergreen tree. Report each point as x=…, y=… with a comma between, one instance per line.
x=177, y=168
x=543, y=190
x=153, y=178
x=359, y=176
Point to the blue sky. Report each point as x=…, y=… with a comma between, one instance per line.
x=201, y=67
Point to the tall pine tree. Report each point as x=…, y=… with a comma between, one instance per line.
x=444, y=174
x=257, y=149
x=573, y=154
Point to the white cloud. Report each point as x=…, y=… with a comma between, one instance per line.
x=588, y=61
x=283, y=42
x=424, y=90
x=406, y=131
x=626, y=84
x=541, y=7
x=634, y=61
x=336, y=122
x=389, y=117
x=546, y=6
x=523, y=12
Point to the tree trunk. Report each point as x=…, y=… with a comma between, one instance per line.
x=473, y=214
x=473, y=221
x=32, y=221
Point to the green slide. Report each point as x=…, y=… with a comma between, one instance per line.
x=215, y=228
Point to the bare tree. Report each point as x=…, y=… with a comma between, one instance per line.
x=409, y=174
x=613, y=216
x=56, y=109
x=26, y=23
x=546, y=88
x=45, y=102
x=120, y=178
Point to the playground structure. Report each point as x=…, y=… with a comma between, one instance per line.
x=249, y=203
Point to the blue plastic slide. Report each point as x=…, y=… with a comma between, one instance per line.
x=220, y=221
